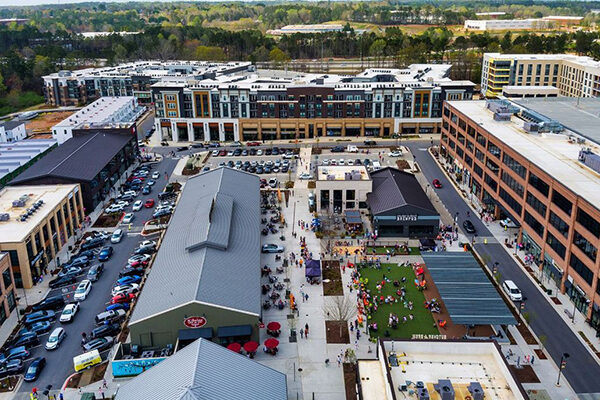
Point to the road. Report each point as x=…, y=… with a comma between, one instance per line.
x=60, y=362
x=582, y=371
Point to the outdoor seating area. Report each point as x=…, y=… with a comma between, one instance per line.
x=248, y=349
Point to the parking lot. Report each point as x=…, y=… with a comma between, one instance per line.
x=275, y=163
x=60, y=362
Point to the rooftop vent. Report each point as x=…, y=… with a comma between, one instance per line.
x=21, y=201
x=590, y=159
x=423, y=394
x=445, y=389
x=476, y=390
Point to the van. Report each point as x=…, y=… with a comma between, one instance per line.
x=311, y=202
x=86, y=360
x=512, y=291
x=351, y=149
x=376, y=165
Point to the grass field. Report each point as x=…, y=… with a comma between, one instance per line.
x=422, y=323
x=413, y=251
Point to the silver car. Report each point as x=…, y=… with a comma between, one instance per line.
x=55, y=339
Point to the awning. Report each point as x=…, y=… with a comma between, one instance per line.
x=313, y=268
x=193, y=334
x=352, y=217
x=234, y=330
x=468, y=294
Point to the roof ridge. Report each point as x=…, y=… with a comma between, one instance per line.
x=74, y=152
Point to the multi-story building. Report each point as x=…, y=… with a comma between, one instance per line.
x=270, y=104
x=35, y=223
x=68, y=88
x=12, y=131
x=521, y=164
x=506, y=24
x=8, y=299
x=574, y=76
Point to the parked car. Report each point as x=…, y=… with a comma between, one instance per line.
x=27, y=339
x=114, y=208
x=70, y=271
x=395, y=153
x=149, y=203
x=83, y=289
x=127, y=289
x=127, y=218
x=272, y=248
x=151, y=182
x=100, y=344
x=12, y=367
x=95, y=272
x=105, y=330
x=138, y=258
x=122, y=298
x=147, y=189
x=88, y=253
x=131, y=271
x=469, y=227
x=215, y=153
x=92, y=243
x=370, y=143
x=117, y=306
x=105, y=253
x=337, y=149
x=39, y=328
x=62, y=281
x=49, y=303
x=513, y=292
x=35, y=369
x=14, y=353
x=129, y=279
x=69, y=312
x=109, y=316
x=252, y=144
x=117, y=236
x=436, y=183
x=305, y=176
x=145, y=250
x=161, y=213
x=79, y=261
x=55, y=338
x=155, y=175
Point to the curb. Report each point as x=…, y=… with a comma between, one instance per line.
x=548, y=299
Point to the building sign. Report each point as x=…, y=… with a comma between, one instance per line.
x=37, y=257
x=194, y=322
x=406, y=217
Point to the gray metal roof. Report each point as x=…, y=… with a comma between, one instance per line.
x=467, y=293
x=393, y=189
x=211, y=250
x=205, y=370
x=10, y=125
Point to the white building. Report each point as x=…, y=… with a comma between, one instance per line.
x=342, y=187
x=506, y=24
x=12, y=131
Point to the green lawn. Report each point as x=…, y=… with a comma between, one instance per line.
x=423, y=320
x=413, y=251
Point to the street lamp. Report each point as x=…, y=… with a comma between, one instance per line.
x=561, y=366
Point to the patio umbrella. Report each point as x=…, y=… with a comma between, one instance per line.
x=235, y=347
x=419, y=271
x=273, y=326
x=251, y=346
x=271, y=343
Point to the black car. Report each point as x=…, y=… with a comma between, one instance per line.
x=164, y=143
x=182, y=148
x=65, y=280
x=197, y=145
x=100, y=344
x=145, y=250
x=35, y=369
x=370, y=143
x=49, y=303
x=268, y=152
x=87, y=253
x=12, y=367
x=92, y=243
x=95, y=272
x=27, y=339
x=80, y=261
x=469, y=227
x=237, y=152
x=337, y=149
x=131, y=272
x=105, y=330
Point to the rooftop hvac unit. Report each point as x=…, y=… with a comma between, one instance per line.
x=531, y=126
x=476, y=390
x=445, y=389
x=4, y=217
x=590, y=159
x=423, y=394
x=502, y=116
x=19, y=203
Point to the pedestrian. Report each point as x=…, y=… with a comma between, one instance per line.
x=104, y=385
x=302, y=295
x=356, y=345
x=356, y=323
x=357, y=334
x=532, y=359
x=306, y=296
x=301, y=333
x=351, y=327
x=339, y=360
x=61, y=397
x=306, y=330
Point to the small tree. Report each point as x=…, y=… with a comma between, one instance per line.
x=340, y=309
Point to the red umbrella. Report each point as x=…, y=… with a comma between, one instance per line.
x=274, y=326
x=235, y=347
x=271, y=343
x=251, y=346
x=420, y=271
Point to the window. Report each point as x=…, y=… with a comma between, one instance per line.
x=6, y=278
x=490, y=181
x=584, y=245
x=514, y=165
x=562, y=202
x=581, y=269
x=588, y=222
x=14, y=258
x=512, y=183
x=478, y=170
x=555, y=245
x=559, y=224
x=479, y=155
x=536, y=204
x=512, y=203
x=539, y=184
x=494, y=150
x=481, y=139
x=492, y=166
x=350, y=195
x=11, y=300
x=534, y=224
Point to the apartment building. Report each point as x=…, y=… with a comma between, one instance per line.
x=520, y=163
x=8, y=299
x=574, y=76
x=272, y=104
x=35, y=223
x=70, y=88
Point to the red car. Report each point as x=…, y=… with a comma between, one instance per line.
x=436, y=183
x=136, y=264
x=149, y=203
x=222, y=153
x=122, y=298
x=253, y=144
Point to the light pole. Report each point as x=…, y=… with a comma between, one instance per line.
x=561, y=366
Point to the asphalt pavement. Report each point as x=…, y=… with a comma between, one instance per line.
x=582, y=371
x=59, y=363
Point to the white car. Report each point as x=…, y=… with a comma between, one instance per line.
x=148, y=243
x=305, y=175
x=259, y=152
x=332, y=162
x=128, y=218
x=55, y=338
x=117, y=236
x=273, y=182
x=139, y=258
x=130, y=193
x=83, y=289
x=114, y=208
x=394, y=154
x=155, y=175
x=325, y=162
x=341, y=161
x=230, y=153
x=69, y=312
x=215, y=153
x=350, y=162
x=126, y=289
x=137, y=206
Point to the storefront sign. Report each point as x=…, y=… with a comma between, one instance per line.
x=406, y=217
x=194, y=322
x=37, y=257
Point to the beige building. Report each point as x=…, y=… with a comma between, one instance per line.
x=574, y=76
x=340, y=188
x=35, y=223
x=8, y=300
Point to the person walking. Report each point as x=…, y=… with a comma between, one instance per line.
x=301, y=333
x=306, y=296
x=339, y=360
x=306, y=330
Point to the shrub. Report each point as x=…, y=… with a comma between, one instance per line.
x=312, y=184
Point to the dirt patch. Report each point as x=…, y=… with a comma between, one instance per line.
x=190, y=171
x=46, y=121
x=350, y=372
x=316, y=150
x=74, y=381
x=525, y=374
x=8, y=384
x=331, y=272
x=402, y=164
x=526, y=333
x=556, y=300
x=540, y=354
x=99, y=372
x=337, y=332
x=107, y=220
